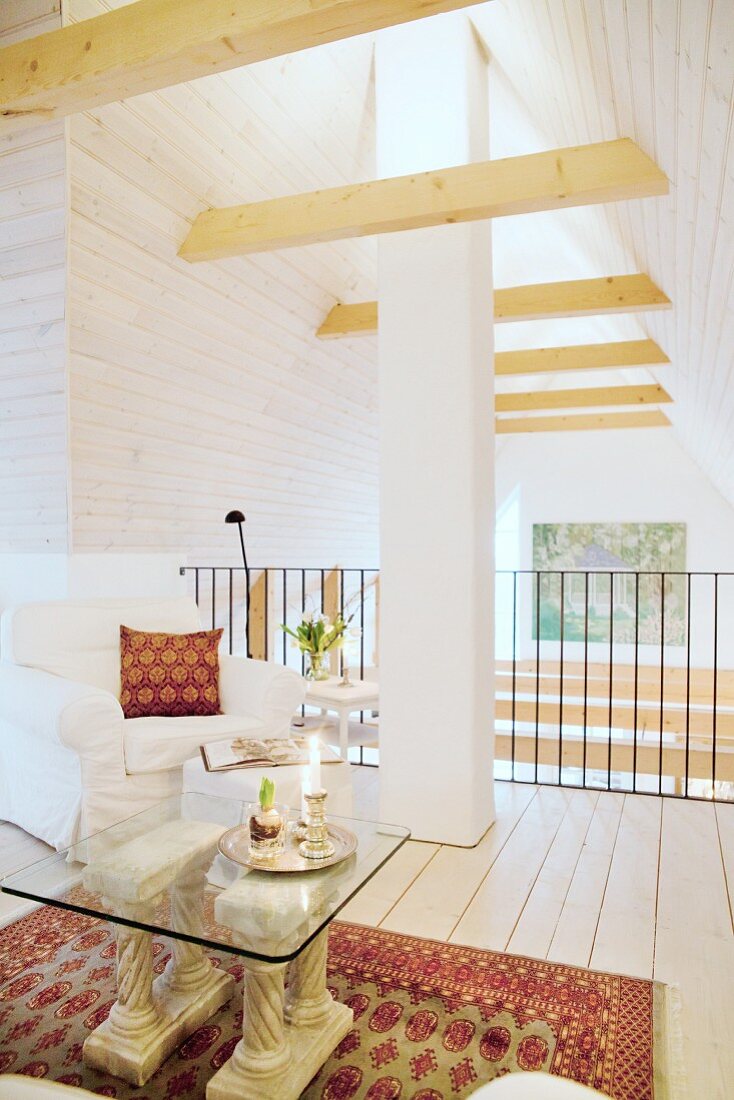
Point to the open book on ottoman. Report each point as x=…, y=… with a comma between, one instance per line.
x=242, y=752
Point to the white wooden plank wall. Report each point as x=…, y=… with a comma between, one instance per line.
x=33, y=413
x=195, y=389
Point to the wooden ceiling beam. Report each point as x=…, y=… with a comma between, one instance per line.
x=579, y=357
x=579, y=297
x=536, y=302
x=343, y=319
x=584, y=422
x=153, y=44
x=607, y=171
x=598, y=397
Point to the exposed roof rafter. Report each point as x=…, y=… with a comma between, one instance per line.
x=534, y=302
x=605, y=171
x=590, y=397
x=581, y=422
x=579, y=357
x=153, y=44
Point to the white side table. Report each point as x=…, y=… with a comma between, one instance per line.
x=328, y=695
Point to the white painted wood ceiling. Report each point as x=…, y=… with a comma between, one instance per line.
x=661, y=72
x=197, y=388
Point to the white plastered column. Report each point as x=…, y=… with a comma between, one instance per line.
x=437, y=450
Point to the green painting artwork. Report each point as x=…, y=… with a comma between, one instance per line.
x=635, y=554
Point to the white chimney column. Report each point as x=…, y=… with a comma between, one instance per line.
x=436, y=386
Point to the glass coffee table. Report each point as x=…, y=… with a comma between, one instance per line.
x=161, y=873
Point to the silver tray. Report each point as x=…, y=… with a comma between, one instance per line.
x=235, y=845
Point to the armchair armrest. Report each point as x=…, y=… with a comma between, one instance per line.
x=83, y=718
x=260, y=688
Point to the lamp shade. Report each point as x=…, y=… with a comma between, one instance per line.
x=234, y=517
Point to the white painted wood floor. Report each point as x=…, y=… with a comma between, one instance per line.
x=630, y=883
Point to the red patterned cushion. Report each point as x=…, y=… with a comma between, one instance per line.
x=169, y=675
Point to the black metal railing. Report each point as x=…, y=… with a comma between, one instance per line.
x=282, y=596
x=605, y=679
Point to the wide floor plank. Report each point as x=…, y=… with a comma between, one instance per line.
x=573, y=938
x=694, y=948
x=435, y=902
x=372, y=904
x=725, y=824
x=537, y=922
x=492, y=914
x=625, y=936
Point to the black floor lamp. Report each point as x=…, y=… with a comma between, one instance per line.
x=238, y=518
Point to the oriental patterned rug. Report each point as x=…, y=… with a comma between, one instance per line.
x=432, y=1020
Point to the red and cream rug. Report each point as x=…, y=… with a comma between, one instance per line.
x=432, y=1020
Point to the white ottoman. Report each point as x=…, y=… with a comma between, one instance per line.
x=244, y=784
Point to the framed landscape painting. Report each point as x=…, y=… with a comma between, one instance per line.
x=619, y=572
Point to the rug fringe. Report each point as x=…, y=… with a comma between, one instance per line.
x=677, y=1076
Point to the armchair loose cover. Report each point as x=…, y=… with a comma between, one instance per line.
x=70, y=763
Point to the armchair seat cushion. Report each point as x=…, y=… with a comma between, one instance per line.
x=157, y=744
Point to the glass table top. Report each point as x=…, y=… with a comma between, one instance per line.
x=161, y=871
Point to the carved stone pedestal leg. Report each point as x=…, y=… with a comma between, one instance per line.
x=283, y=1044
x=262, y=1056
x=150, y=1019
x=190, y=989
x=126, y=1044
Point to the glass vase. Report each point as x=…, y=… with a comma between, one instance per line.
x=267, y=831
x=316, y=666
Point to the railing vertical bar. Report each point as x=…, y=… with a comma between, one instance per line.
x=715, y=684
x=265, y=615
x=361, y=625
x=214, y=598
x=514, y=664
x=688, y=684
x=537, y=669
x=611, y=680
x=248, y=651
x=230, y=610
x=586, y=670
x=560, y=687
x=303, y=612
x=341, y=612
x=361, y=632
x=662, y=682
x=637, y=676
x=285, y=615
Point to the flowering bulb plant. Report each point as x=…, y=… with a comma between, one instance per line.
x=317, y=634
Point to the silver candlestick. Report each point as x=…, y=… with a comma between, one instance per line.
x=317, y=844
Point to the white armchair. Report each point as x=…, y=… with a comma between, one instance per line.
x=70, y=763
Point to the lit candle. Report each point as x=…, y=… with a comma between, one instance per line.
x=315, y=766
x=305, y=789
